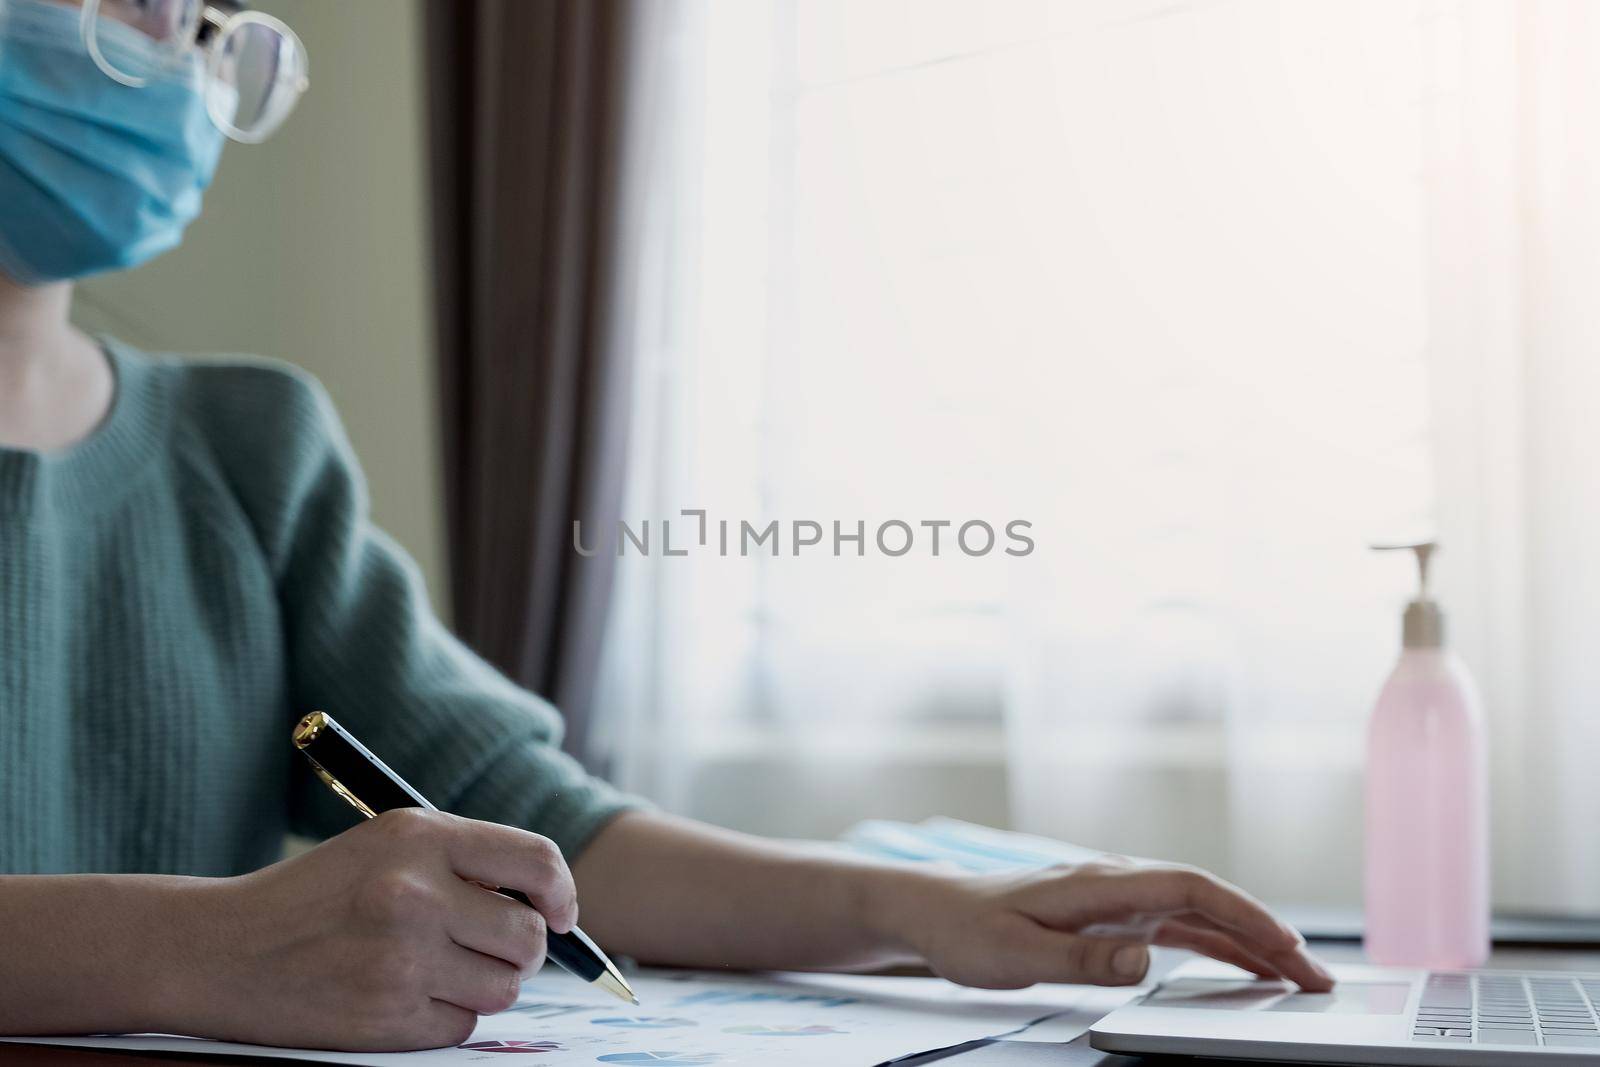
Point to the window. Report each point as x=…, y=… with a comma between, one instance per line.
x=1188, y=287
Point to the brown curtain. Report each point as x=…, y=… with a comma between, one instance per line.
x=526, y=101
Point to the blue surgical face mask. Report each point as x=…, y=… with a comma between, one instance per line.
x=94, y=175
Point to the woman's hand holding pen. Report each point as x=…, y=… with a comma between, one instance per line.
x=377, y=939
x=1087, y=923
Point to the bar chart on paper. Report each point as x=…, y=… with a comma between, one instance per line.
x=697, y=1019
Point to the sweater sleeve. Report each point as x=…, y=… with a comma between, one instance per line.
x=364, y=645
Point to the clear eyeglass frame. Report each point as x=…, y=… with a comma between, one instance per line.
x=223, y=26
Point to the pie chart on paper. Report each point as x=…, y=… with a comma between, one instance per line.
x=662, y=1059
x=531, y=1047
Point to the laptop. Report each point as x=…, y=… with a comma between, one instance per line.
x=1381, y=1015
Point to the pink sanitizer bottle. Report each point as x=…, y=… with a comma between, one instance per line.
x=1427, y=840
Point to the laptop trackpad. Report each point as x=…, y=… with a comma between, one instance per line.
x=1221, y=994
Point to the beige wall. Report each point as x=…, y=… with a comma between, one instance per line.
x=313, y=249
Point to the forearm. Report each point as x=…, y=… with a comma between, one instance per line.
x=670, y=891
x=88, y=953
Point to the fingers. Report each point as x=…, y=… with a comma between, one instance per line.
x=1219, y=946
x=471, y=980
x=495, y=925
x=516, y=859
x=1290, y=965
x=1183, y=890
x=1100, y=893
x=1044, y=955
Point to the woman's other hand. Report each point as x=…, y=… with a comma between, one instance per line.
x=1062, y=924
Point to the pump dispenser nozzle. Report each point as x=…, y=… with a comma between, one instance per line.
x=1424, y=622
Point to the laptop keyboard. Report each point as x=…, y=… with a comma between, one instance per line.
x=1509, y=1009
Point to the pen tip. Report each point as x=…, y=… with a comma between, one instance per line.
x=635, y=1001
x=613, y=983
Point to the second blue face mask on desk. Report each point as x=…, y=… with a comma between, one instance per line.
x=94, y=175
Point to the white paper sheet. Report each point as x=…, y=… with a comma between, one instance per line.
x=688, y=1018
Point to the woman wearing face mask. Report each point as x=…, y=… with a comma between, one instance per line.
x=186, y=566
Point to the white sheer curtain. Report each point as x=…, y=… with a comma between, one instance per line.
x=1212, y=294
x=1199, y=663
x=1536, y=336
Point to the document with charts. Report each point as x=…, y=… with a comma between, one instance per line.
x=694, y=1018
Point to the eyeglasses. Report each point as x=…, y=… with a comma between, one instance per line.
x=256, y=67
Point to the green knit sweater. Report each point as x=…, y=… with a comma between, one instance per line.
x=182, y=586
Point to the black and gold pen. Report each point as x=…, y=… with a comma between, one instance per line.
x=371, y=787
